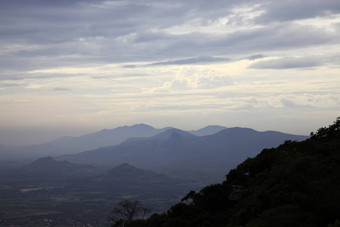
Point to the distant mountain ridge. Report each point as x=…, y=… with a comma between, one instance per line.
x=177, y=149
x=128, y=173
x=91, y=141
x=48, y=168
x=72, y=145
x=208, y=130
x=102, y=138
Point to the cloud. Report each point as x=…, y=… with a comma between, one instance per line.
x=11, y=84
x=129, y=66
x=61, y=89
x=102, y=32
x=122, y=55
x=255, y=56
x=288, y=103
x=179, y=84
x=297, y=10
x=211, y=82
x=190, y=61
x=287, y=63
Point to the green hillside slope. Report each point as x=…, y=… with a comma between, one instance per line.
x=295, y=184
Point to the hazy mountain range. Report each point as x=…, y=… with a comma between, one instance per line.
x=204, y=154
x=182, y=154
x=91, y=172
x=103, y=138
x=47, y=169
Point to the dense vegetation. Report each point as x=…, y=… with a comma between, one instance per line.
x=295, y=184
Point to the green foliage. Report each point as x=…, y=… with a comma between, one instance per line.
x=295, y=184
x=336, y=224
x=328, y=133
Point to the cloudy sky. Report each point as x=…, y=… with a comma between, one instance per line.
x=69, y=67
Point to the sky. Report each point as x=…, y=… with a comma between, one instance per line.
x=70, y=67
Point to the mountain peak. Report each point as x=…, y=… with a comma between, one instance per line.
x=173, y=132
x=44, y=161
x=125, y=166
x=127, y=172
x=142, y=125
x=208, y=130
x=136, y=126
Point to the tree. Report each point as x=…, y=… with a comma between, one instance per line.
x=126, y=211
x=295, y=184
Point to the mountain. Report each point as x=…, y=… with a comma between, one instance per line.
x=240, y=143
x=91, y=141
x=129, y=173
x=181, y=154
x=208, y=130
x=295, y=184
x=104, y=138
x=142, y=152
x=49, y=169
x=72, y=145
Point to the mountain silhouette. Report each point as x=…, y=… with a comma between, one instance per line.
x=49, y=169
x=128, y=173
x=295, y=184
x=208, y=130
x=175, y=149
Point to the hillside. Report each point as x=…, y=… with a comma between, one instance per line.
x=295, y=184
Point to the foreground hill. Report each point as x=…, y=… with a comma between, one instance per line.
x=295, y=184
x=181, y=154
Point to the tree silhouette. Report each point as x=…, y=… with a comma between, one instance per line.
x=295, y=184
x=126, y=211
